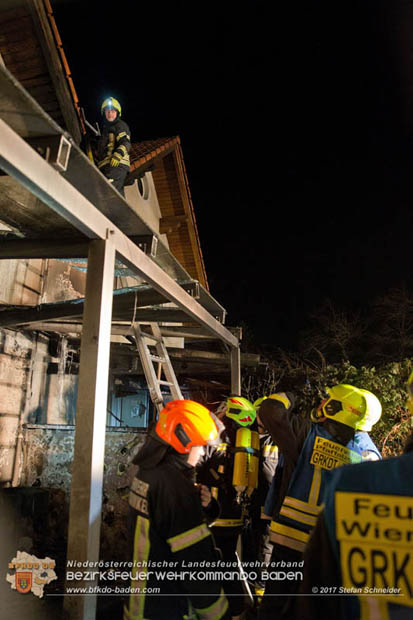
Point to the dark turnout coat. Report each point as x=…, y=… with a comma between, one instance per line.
x=170, y=535
x=114, y=142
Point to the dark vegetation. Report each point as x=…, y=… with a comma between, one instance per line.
x=373, y=351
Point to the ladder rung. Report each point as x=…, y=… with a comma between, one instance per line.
x=152, y=353
x=150, y=337
x=156, y=358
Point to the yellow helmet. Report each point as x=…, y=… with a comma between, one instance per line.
x=410, y=391
x=282, y=398
x=111, y=103
x=241, y=410
x=349, y=405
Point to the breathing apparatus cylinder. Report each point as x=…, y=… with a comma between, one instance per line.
x=246, y=461
x=240, y=474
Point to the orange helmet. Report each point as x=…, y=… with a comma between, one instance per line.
x=185, y=423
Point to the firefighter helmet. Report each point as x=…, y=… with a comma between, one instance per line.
x=185, y=423
x=241, y=410
x=112, y=104
x=349, y=405
x=410, y=393
x=282, y=398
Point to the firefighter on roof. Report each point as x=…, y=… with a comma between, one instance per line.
x=337, y=434
x=168, y=523
x=114, y=144
x=362, y=543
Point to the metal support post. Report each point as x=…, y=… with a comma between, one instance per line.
x=89, y=450
x=235, y=370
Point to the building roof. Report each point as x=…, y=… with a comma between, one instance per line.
x=31, y=49
x=146, y=152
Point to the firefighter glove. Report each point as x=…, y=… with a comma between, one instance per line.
x=114, y=162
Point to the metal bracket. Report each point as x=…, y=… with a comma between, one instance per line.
x=191, y=287
x=147, y=243
x=54, y=149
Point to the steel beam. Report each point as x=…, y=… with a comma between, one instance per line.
x=64, y=327
x=125, y=302
x=43, y=248
x=89, y=450
x=190, y=355
x=19, y=160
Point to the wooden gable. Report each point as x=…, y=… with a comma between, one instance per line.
x=165, y=159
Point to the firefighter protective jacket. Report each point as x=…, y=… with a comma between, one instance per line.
x=171, y=536
x=215, y=471
x=267, y=466
x=268, y=459
x=114, y=143
x=273, y=494
x=320, y=452
x=288, y=431
x=362, y=544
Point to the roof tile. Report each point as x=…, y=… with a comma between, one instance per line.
x=146, y=150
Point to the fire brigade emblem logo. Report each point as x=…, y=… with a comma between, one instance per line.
x=27, y=573
x=24, y=582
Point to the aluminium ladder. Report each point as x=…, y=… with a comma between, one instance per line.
x=148, y=359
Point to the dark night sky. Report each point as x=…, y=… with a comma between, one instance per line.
x=296, y=126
